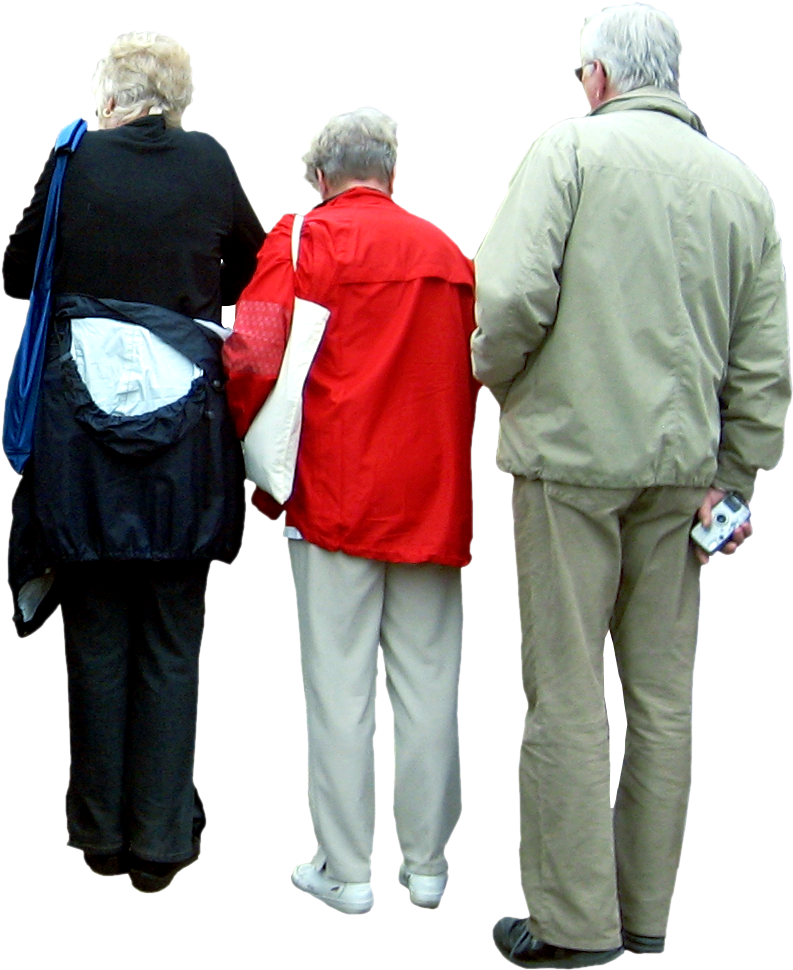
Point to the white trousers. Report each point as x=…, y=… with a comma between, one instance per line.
x=347, y=606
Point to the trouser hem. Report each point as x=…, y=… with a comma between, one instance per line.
x=93, y=850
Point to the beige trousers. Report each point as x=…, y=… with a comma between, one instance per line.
x=347, y=606
x=591, y=561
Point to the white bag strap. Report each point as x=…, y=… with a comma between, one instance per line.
x=297, y=226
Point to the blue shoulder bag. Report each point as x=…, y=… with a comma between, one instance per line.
x=23, y=387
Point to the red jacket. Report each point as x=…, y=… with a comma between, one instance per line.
x=384, y=468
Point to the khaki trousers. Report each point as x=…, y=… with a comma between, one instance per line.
x=591, y=561
x=346, y=607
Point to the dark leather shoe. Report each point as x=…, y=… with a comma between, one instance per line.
x=643, y=944
x=514, y=940
x=151, y=877
x=115, y=864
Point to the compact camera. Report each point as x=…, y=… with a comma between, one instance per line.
x=727, y=514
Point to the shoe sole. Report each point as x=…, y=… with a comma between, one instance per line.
x=348, y=906
x=107, y=865
x=148, y=883
x=568, y=963
x=418, y=899
x=424, y=900
x=642, y=944
x=592, y=959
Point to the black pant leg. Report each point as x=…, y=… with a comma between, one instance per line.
x=94, y=605
x=165, y=813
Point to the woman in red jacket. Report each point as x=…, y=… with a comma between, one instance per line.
x=380, y=518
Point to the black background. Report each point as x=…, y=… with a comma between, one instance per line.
x=470, y=95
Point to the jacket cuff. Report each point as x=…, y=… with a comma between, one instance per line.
x=264, y=502
x=731, y=478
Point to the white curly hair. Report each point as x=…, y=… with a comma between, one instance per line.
x=143, y=73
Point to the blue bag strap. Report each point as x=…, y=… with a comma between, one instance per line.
x=69, y=138
x=23, y=388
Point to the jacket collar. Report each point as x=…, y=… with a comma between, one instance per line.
x=145, y=121
x=357, y=194
x=149, y=129
x=652, y=99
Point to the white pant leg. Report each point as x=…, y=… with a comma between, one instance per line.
x=339, y=602
x=421, y=634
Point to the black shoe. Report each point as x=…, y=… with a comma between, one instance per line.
x=514, y=940
x=643, y=944
x=151, y=877
x=115, y=864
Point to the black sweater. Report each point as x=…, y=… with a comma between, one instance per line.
x=148, y=214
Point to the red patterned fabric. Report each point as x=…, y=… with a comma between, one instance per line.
x=253, y=353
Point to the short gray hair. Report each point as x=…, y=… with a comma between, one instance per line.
x=360, y=144
x=636, y=44
x=144, y=72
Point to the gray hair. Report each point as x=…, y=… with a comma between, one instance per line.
x=143, y=73
x=360, y=144
x=636, y=44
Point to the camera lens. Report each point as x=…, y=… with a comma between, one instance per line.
x=721, y=517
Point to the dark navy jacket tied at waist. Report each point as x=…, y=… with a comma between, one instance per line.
x=152, y=430
x=153, y=484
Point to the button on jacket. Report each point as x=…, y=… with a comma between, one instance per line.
x=645, y=342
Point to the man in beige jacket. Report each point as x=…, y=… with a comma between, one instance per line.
x=632, y=325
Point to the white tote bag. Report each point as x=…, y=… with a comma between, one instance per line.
x=270, y=446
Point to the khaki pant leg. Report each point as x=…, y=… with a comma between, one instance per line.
x=654, y=632
x=340, y=602
x=421, y=636
x=568, y=552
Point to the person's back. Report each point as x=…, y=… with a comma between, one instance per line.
x=149, y=213
x=388, y=409
x=669, y=234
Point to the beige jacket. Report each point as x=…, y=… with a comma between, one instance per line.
x=631, y=306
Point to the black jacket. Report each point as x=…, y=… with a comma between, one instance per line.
x=149, y=214
x=154, y=231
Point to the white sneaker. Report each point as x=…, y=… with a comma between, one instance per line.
x=347, y=897
x=425, y=891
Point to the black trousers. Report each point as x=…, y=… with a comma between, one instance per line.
x=133, y=632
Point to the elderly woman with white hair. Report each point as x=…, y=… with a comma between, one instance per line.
x=379, y=522
x=135, y=480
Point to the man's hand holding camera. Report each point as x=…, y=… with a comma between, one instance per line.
x=705, y=517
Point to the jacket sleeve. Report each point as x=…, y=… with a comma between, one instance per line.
x=519, y=265
x=756, y=390
x=253, y=353
x=240, y=246
x=19, y=259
